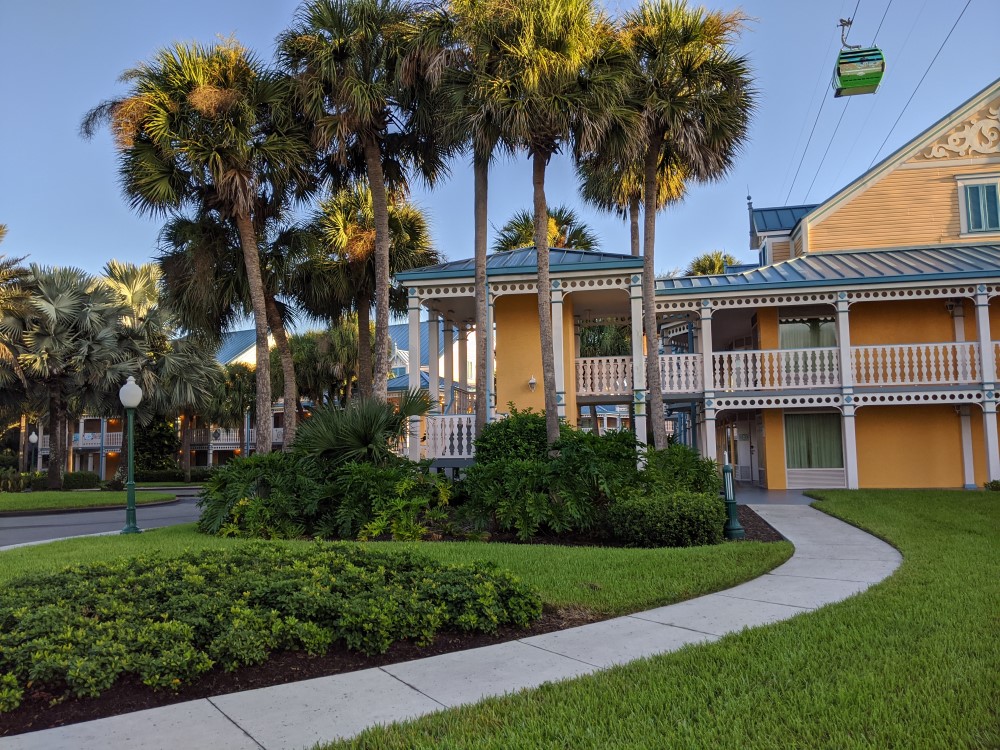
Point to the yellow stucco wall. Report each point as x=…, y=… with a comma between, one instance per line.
x=767, y=328
x=907, y=207
x=901, y=322
x=569, y=360
x=774, y=449
x=909, y=446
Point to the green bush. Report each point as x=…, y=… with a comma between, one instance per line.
x=81, y=480
x=267, y=495
x=992, y=486
x=7, y=461
x=39, y=481
x=521, y=435
x=668, y=519
x=11, y=480
x=167, y=621
x=680, y=467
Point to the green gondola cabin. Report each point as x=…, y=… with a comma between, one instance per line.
x=858, y=71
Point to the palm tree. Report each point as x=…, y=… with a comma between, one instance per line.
x=347, y=58
x=710, y=264
x=208, y=128
x=557, y=84
x=564, y=230
x=343, y=271
x=235, y=398
x=694, y=99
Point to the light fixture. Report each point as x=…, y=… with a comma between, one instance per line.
x=130, y=395
x=33, y=437
x=532, y=383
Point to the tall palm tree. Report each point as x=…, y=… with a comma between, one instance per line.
x=347, y=59
x=694, y=98
x=564, y=229
x=710, y=264
x=558, y=83
x=343, y=270
x=209, y=128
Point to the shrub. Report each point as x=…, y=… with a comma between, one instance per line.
x=167, y=621
x=595, y=468
x=992, y=486
x=519, y=436
x=39, y=481
x=668, y=519
x=680, y=467
x=81, y=480
x=7, y=461
x=12, y=481
x=268, y=495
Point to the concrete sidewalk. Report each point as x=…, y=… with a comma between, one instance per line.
x=832, y=561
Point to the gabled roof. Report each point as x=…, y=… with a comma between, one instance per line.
x=400, y=335
x=852, y=267
x=778, y=218
x=235, y=343
x=523, y=261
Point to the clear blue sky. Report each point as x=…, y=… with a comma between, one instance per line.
x=60, y=199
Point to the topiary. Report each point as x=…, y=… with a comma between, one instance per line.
x=668, y=519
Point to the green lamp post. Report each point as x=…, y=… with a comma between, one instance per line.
x=130, y=395
x=733, y=529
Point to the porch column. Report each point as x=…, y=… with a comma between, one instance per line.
x=413, y=342
x=38, y=446
x=638, y=361
x=557, y=348
x=449, y=363
x=463, y=357
x=488, y=389
x=988, y=363
x=104, y=449
x=850, y=444
x=708, y=379
x=210, y=453
x=433, y=360
x=964, y=413
x=708, y=449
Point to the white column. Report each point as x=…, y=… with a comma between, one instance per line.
x=992, y=439
x=844, y=341
x=557, y=348
x=413, y=342
x=38, y=447
x=449, y=362
x=708, y=443
x=211, y=453
x=104, y=448
x=463, y=357
x=964, y=413
x=491, y=407
x=989, y=375
x=705, y=348
x=638, y=360
x=850, y=447
x=433, y=360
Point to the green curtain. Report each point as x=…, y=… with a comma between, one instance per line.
x=806, y=334
x=813, y=441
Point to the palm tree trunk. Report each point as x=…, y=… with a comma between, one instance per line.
x=290, y=394
x=186, y=445
x=654, y=389
x=22, y=445
x=380, y=208
x=365, y=346
x=633, y=220
x=54, y=481
x=544, y=297
x=251, y=258
x=480, y=170
x=243, y=436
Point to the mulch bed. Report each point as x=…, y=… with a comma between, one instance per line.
x=42, y=709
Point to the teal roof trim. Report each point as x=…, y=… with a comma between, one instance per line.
x=779, y=218
x=524, y=261
x=958, y=262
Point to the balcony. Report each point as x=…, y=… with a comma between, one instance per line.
x=895, y=365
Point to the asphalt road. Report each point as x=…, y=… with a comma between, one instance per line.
x=21, y=529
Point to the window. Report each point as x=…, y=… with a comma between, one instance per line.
x=813, y=441
x=806, y=333
x=982, y=208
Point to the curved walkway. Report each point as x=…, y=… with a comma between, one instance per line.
x=832, y=561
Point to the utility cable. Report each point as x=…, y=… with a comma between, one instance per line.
x=827, y=151
x=884, y=14
x=967, y=4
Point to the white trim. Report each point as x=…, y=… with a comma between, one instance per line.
x=968, y=162
x=964, y=181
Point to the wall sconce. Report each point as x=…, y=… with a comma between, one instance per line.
x=532, y=383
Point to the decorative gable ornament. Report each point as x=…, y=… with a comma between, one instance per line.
x=980, y=136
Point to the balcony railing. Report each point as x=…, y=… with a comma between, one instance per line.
x=603, y=376
x=776, y=369
x=681, y=373
x=450, y=436
x=916, y=364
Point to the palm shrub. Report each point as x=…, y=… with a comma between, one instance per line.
x=365, y=431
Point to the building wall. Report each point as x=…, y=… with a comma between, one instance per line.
x=774, y=449
x=910, y=446
x=902, y=322
x=780, y=250
x=518, y=354
x=910, y=206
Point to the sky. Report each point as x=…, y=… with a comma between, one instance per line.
x=60, y=198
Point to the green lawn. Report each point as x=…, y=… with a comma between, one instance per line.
x=604, y=580
x=54, y=500
x=912, y=663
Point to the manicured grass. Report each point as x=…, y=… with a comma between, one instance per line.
x=54, y=500
x=913, y=662
x=604, y=580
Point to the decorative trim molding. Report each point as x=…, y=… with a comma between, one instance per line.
x=978, y=135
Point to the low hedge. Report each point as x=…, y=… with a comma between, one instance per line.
x=668, y=519
x=167, y=621
x=198, y=474
x=81, y=480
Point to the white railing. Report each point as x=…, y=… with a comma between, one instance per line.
x=451, y=436
x=681, y=373
x=916, y=364
x=112, y=441
x=776, y=369
x=603, y=376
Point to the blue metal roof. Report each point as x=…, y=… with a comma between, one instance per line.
x=402, y=383
x=400, y=335
x=234, y=344
x=524, y=260
x=779, y=218
x=854, y=267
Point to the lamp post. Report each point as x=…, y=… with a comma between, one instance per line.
x=130, y=395
x=32, y=454
x=733, y=529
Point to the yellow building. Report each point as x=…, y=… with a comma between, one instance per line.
x=860, y=353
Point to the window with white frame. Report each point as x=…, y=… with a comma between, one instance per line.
x=979, y=203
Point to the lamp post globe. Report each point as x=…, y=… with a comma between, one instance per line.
x=130, y=395
x=32, y=452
